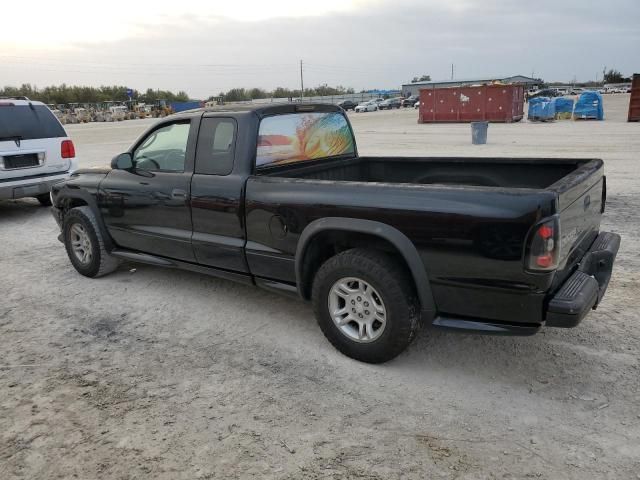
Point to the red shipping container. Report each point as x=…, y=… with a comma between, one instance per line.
x=634, y=100
x=493, y=103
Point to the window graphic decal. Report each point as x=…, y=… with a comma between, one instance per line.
x=303, y=136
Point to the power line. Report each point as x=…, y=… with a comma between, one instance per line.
x=138, y=64
x=301, y=82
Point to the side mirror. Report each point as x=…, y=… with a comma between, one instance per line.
x=122, y=161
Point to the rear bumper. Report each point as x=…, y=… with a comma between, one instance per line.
x=30, y=187
x=585, y=288
x=579, y=294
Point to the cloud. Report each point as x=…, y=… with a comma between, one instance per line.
x=360, y=44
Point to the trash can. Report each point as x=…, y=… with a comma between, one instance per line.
x=479, y=132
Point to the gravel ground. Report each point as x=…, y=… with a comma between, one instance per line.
x=161, y=374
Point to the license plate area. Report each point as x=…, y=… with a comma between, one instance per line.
x=25, y=160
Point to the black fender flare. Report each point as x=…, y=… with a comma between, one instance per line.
x=66, y=193
x=398, y=239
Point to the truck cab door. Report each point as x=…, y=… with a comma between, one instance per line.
x=217, y=196
x=146, y=208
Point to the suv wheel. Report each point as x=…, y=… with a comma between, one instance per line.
x=365, y=304
x=44, y=199
x=85, y=245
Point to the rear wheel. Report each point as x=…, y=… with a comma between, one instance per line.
x=365, y=304
x=44, y=199
x=85, y=245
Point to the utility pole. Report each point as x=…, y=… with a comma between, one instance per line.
x=452, y=71
x=301, y=82
x=604, y=72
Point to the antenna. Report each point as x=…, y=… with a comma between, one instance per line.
x=301, y=82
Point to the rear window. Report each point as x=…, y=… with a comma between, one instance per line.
x=297, y=137
x=29, y=123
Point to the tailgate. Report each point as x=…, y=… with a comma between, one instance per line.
x=581, y=197
x=32, y=157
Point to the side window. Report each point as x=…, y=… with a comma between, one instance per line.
x=164, y=149
x=216, y=146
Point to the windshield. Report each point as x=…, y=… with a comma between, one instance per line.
x=26, y=123
x=303, y=136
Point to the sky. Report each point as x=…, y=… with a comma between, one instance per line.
x=205, y=47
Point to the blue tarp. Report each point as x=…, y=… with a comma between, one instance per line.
x=563, y=104
x=541, y=108
x=589, y=105
x=182, y=106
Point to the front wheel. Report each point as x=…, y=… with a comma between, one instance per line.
x=85, y=245
x=365, y=304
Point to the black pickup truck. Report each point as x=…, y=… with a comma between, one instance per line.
x=277, y=196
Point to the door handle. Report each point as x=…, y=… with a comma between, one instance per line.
x=178, y=194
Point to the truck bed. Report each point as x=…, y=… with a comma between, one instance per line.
x=485, y=172
x=468, y=217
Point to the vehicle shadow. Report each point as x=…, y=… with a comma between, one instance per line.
x=550, y=356
x=553, y=360
x=545, y=361
x=20, y=210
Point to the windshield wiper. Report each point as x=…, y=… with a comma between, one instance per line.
x=11, y=137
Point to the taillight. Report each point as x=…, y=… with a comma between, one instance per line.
x=543, y=246
x=67, y=150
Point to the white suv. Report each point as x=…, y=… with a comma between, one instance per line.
x=35, y=151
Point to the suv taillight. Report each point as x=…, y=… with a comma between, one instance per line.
x=543, y=246
x=67, y=150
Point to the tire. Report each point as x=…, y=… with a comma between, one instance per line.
x=44, y=199
x=97, y=262
x=389, y=285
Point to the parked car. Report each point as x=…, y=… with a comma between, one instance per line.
x=379, y=245
x=370, y=106
x=390, y=104
x=416, y=105
x=35, y=150
x=348, y=105
x=410, y=101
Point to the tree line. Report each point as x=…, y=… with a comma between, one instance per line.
x=243, y=94
x=65, y=94
x=614, y=76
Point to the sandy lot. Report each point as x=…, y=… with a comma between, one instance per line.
x=161, y=374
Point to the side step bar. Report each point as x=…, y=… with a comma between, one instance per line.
x=484, y=326
x=171, y=263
